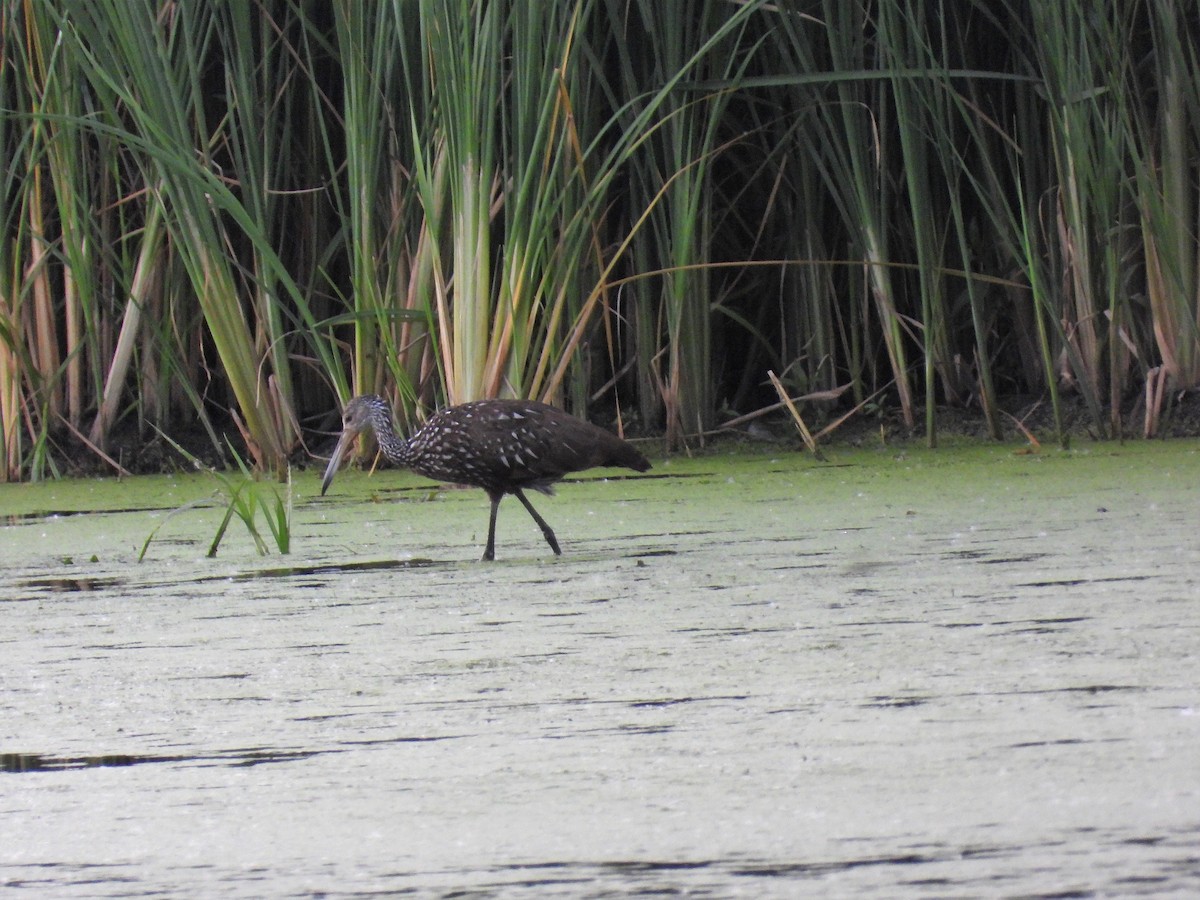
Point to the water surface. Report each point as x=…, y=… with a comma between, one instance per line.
x=971, y=672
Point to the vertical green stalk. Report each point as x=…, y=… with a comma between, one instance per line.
x=995, y=145
x=463, y=43
x=156, y=72
x=1164, y=136
x=672, y=178
x=546, y=216
x=256, y=70
x=902, y=47
x=13, y=148
x=848, y=143
x=31, y=383
x=1082, y=55
x=369, y=49
x=56, y=78
x=813, y=347
x=938, y=173
x=144, y=281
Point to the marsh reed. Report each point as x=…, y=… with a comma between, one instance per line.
x=236, y=215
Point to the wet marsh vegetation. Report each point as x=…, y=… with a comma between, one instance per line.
x=965, y=672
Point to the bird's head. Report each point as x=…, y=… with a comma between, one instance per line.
x=362, y=414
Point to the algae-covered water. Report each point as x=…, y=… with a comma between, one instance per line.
x=967, y=672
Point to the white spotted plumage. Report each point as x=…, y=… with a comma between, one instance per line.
x=479, y=444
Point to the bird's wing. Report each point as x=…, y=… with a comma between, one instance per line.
x=535, y=445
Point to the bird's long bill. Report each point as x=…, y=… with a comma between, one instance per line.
x=335, y=461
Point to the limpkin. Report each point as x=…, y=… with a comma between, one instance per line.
x=502, y=446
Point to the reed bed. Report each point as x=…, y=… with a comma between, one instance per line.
x=232, y=217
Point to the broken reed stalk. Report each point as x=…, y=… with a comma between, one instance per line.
x=804, y=432
x=1156, y=382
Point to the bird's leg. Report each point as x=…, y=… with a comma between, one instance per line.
x=547, y=531
x=489, y=552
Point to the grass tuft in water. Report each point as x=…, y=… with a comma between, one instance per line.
x=243, y=496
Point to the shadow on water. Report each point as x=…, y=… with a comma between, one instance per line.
x=23, y=763
x=37, y=762
x=88, y=584
x=924, y=870
x=347, y=568
x=39, y=515
x=384, y=565
x=71, y=585
x=749, y=868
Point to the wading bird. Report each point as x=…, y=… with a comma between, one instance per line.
x=502, y=446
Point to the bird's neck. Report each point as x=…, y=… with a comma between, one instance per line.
x=394, y=447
